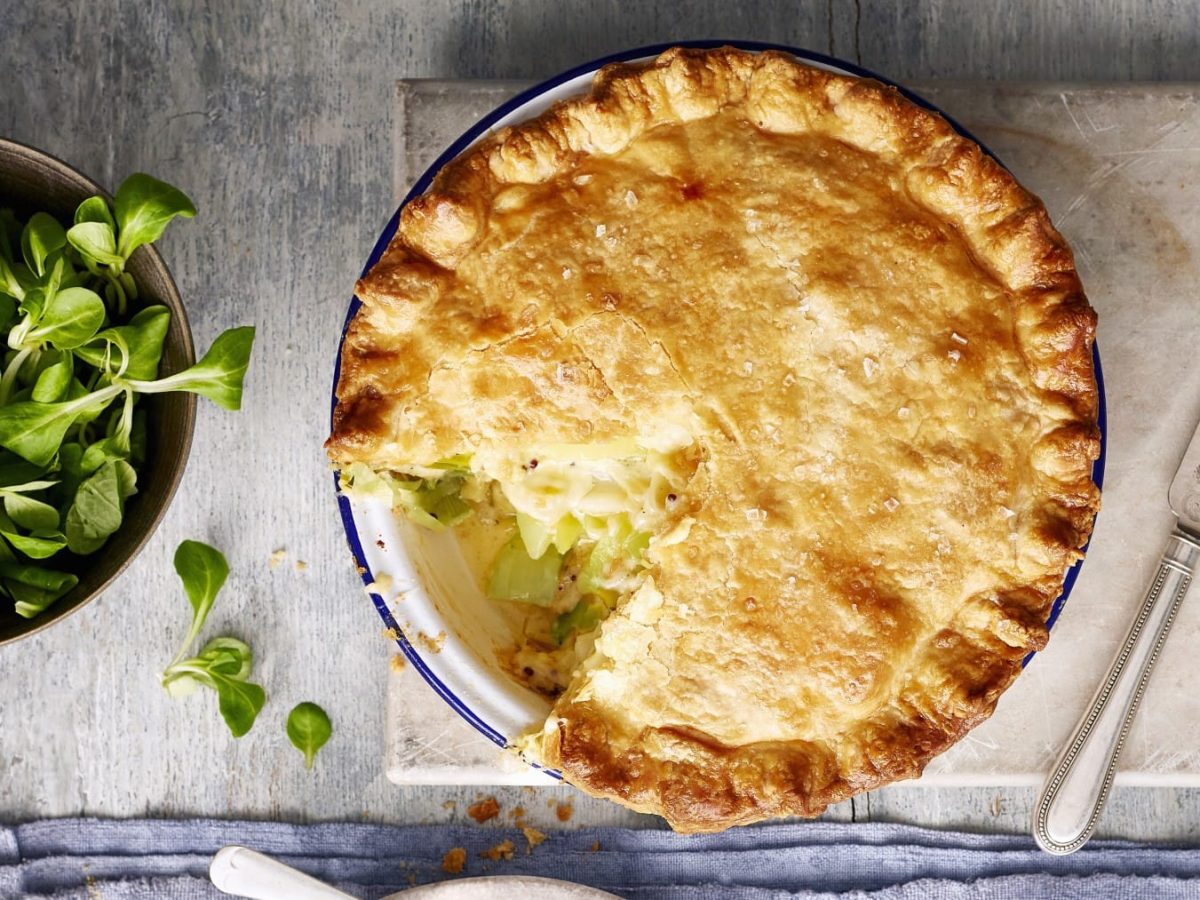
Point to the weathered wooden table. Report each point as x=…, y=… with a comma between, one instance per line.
x=279, y=120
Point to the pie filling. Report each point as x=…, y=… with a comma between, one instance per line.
x=565, y=534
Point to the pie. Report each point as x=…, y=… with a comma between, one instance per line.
x=776, y=398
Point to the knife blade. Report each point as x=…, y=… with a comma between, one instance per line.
x=1074, y=794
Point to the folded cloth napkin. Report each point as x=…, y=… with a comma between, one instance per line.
x=99, y=858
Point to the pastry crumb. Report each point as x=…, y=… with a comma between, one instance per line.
x=518, y=813
x=596, y=847
x=454, y=860
x=485, y=809
x=450, y=805
x=391, y=634
x=503, y=850
x=533, y=837
x=432, y=644
x=301, y=565
x=276, y=558
x=564, y=811
x=397, y=662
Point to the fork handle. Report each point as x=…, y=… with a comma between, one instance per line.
x=1071, y=800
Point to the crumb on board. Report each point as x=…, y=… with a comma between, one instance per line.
x=391, y=634
x=454, y=860
x=503, y=850
x=397, y=662
x=301, y=565
x=518, y=813
x=485, y=809
x=596, y=847
x=564, y=811
x=533, y=837
x=450, y=805
x=380, y=544
x=276, y=558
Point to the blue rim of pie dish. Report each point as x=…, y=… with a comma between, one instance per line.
x=462, y=143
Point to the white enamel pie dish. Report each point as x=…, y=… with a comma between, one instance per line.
x=419, y=580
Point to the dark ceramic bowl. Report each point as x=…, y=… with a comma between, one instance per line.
x=32, y=181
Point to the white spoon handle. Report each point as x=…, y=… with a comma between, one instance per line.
x=241, y=871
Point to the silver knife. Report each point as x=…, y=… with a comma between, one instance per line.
x=1071, y=800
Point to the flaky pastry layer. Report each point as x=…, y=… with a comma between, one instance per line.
x=878, y=344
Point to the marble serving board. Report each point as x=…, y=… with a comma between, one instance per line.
x=1119, y=170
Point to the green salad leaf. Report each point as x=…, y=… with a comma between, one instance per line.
x=218, y=375
x=96, y=241
x=145, y=206
x=309, y=729
x=80, y=354
x=41, y=237
x=224, y=663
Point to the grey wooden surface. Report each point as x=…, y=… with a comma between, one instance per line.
x=278, y=119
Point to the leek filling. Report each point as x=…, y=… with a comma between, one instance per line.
x=577, y=521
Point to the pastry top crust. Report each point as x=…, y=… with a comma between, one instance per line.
x=879, y=347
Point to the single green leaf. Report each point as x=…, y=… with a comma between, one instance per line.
x=10, y=285
x=31, y=602
x=94, y=209
x=70, y=319
x=54, y=382
x=141, y=341
x=218, y=375
x=29, y=513
x=144, y=207
x=41, y=237
x=96, y=512
x=240, y=703
x=96, y=241
x=38, y=577
x=98, y=454
x=126, y=478
x=33, y=587
x=308, y=728
x=203, y=570
x=36, y=546
x=34, y=431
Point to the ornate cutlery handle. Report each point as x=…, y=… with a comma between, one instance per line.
x=1069, y=807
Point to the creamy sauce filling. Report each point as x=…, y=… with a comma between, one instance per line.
x=558, y=537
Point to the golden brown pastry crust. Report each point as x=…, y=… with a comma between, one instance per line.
x=883, y=350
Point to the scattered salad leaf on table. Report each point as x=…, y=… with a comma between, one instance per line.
x=308, y=728
x=224, y=663
x=78, y=358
